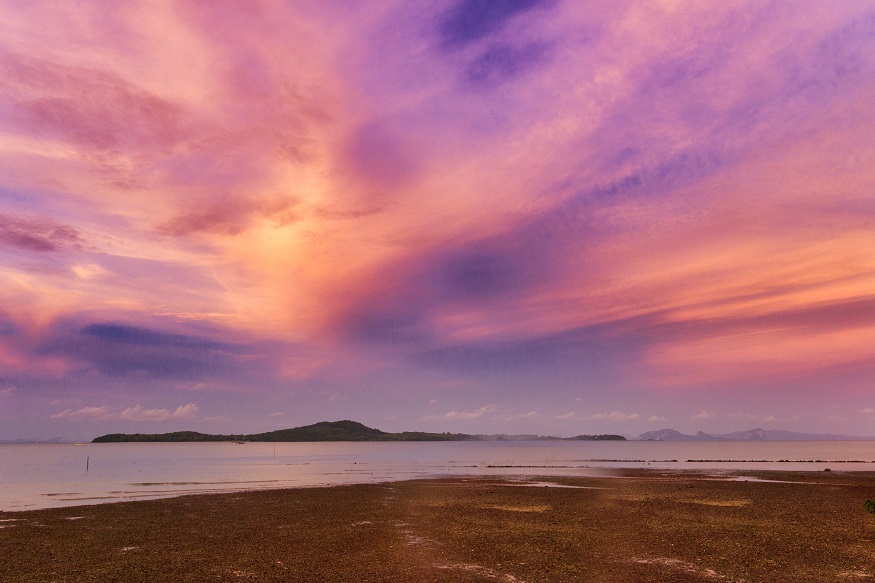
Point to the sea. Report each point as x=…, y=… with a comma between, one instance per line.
x=34, y=476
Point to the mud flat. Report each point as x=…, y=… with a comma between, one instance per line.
x=633, y=526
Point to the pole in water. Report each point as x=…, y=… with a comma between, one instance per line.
x=87, y=462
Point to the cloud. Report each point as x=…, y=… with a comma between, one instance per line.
x=99, y=110
x=37, y=234
x=614, y=416
x=502, y=62
x=188, y=223
x=752, y=417
x=378, y=155
x=470, y=21
x=401, y=300
x=462, y=415
x=516, y=417
x=702, y=415
x=483, y=40
x=85, y=413
x=868, y=411
x=232, y=217
x=599, y=349
x=566, y=416
x=138, y=413
x=120, y=350
x=123, y=334
x=88, y=270
x=657, y=418
x=198, y=386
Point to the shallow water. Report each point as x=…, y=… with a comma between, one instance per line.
x=51, y=475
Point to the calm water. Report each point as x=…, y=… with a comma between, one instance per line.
x=43, y=475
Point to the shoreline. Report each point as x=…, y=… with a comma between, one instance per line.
x=116, y=497
x=636, y=525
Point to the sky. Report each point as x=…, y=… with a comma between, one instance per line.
x=508, y=216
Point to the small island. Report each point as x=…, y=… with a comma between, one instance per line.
x=326, y=431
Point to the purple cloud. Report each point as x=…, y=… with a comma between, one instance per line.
x=37, y=234
x=378, y=156
x=594, y=352
x=469, y=21
x=118, y=350
x=502, y=62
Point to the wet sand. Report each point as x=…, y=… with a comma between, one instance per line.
x=639, y=526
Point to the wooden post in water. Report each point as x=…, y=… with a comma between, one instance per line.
x=87, y=462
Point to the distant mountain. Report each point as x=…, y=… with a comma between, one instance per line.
x=749, y=435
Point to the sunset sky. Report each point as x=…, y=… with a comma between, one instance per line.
x=518, y=216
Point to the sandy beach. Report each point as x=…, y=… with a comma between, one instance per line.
x=634, y=526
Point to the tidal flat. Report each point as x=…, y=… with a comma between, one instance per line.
x=633, y=526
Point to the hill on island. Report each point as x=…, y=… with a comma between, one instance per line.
x=323, y=431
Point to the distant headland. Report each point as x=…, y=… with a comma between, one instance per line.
x=749, y=435
x=333, y=431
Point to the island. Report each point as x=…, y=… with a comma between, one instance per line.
x=325, y=431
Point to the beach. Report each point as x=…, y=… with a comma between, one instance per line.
x=634, y=525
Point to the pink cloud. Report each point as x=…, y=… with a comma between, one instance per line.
x=103, y=412
x=513, y=417
x=89, y=107
x=37, y=234
x=614, y=416
x=753, y=417
x=462, y=415
x=136, y=413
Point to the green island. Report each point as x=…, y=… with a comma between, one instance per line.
x=326, y=431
